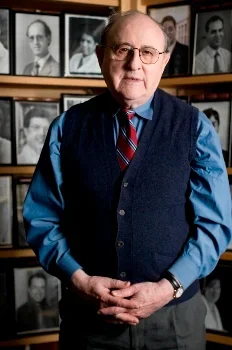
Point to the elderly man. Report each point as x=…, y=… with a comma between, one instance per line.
x=40, y=36
x=122, y=204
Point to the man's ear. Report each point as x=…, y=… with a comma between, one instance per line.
x=167, y=58
x=100, y=54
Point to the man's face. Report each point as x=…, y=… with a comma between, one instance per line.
x=171, y=31
x=133, y=82
x=37, y=289
x=38, y=41
x=213, y=291
x=88, y=44
x=36, y=133
x=214, y=122
x=215, y=34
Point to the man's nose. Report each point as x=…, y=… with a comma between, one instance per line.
x=134, y=62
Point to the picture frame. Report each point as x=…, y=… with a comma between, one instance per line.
x=216, y=292
x=21, y=188
x=80, y=57
x=32, y=119
x=176, y=21
x=37, y=44
x=36, y=298
x=6, y=301
x=6, y=132
x=6, y=212
x=5, y=43
x=69, y=100
x=212, y=53
x=219, y=112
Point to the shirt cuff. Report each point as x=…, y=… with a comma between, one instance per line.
x=68, y=266
x=185, y=270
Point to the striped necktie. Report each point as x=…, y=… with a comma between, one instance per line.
x=127, y=139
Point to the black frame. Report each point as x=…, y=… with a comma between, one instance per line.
x=9, y=41
x=16, y=131
x=174, y=6
x=67, y=56
x=212, y=102
x=198, y=10
x=10, y=100
x=9, y=194
x=222, y=271
x=59, y=50
x=51, y=305
x=83, y=98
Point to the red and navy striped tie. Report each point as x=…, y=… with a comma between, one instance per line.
x=127, y=139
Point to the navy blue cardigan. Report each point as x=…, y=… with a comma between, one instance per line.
x=133, y=225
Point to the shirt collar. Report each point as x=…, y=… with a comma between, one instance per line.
x=41, y=61
x=211, y=52
x=145, y=111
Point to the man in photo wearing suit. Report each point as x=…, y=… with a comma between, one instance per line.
x=213, y=58
x=178, y=63
x=40, y=36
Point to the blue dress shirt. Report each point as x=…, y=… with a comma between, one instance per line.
x=209, y=196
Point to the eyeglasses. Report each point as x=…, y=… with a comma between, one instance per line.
x=123, y=52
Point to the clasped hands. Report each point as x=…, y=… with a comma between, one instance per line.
x=119, y=301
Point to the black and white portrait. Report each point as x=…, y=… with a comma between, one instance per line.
x=6, y=211
x=21, y=191
x=82, y=34
x=216, y=293
x=176, y=21
x=37, y=45
x=37, y=295
x=4, y=42
x=212, y=42
x=219, y=114
x=71, y=100
x=5, y=131
x=32, y=120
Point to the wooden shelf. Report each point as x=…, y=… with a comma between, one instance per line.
x=221, y=339
x=196, y=80
x=6, y=253
x=227, y=255
x=159, y=2
x=17, y=170
x=38, y=339
x=55, y=83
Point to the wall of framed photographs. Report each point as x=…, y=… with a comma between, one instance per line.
x=27, y=89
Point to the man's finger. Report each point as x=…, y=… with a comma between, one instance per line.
x=112, y=310
x=124, y=293
x=118, y=301
x=117, y=284
x=127, y=318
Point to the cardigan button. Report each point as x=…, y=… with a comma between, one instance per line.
x=120, y=244
x=122, y=212
x=123, y=274
x=125, y=184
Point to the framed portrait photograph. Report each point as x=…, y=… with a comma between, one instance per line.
x=37, y=44
x=6, y=211
x=37, y=296
x=5, y=49
x=71, y=100
x=220, y=115
x=5, y=130
x=176, y=21
x=216, y=294
x=32, y=120
x=22, y=186
x=212, y=42
x=82, y=34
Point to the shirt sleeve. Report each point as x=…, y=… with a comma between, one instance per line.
x=211, y=202
x=44, y=206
